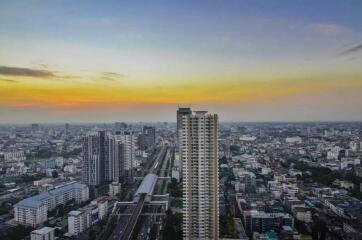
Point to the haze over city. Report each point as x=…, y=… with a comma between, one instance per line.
x=90, y=61
x=181, y=120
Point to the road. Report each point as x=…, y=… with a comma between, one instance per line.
x=124, y=231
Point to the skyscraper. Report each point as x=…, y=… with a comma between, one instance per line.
x=108, y=157
x=150, y=133
x=94, y=157
x=180, y=113
x=199, y=155
x=128, y=139
x=114, y=163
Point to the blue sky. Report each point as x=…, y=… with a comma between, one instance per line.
x=312, y=44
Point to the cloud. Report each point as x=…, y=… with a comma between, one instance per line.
x=7, y=80
x=326, y=28
x=25, y=72
x=111, y=76
x=350, y=50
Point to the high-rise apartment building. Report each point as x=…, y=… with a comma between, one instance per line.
x=180, y=113
x=94, y=158
x=150, y=133
x=199, y=155
x=108, y=157
x=128, y=139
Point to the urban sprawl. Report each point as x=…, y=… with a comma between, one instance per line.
x=198, y=178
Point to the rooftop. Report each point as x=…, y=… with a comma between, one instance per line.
x=42, y=231
x=74, y=213
x=147, y=185
x=36, y=201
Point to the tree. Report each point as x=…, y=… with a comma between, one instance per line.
x=173, y=226
x=18, y=232
x=319, y=229
x=174, y=188
x=54, y=174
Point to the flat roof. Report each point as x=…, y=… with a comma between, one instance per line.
x=147, y=185
x=36, y=201
x=42, y=231
x=74, y=213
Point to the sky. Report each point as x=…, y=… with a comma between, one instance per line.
x=246, y=60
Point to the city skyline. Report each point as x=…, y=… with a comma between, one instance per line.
x=131, y=61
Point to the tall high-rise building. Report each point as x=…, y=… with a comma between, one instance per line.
x=199, y=155
x=114, y=156
x=108, y=157
x=94, y=158
x=128, y=140
x=149, y=134
x=180, y=113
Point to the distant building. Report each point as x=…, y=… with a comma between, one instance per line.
x=14, y=156
x=303, y=214
x=261, y=222
x=32, y=211
x=114, y=189
x=150, y=133
x=297, y=140
x=108, y=157
x=120, y=126
x=247, y=181
x=45, y=233
x=35, y=127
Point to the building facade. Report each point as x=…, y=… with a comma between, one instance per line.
x=108, y=157
x=32, y=211
x=199, y=154
x=179, y=115
x=45, y=233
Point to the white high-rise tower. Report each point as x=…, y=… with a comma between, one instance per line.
x=199, y=155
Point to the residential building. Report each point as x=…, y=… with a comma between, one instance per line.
x=114, y=189
x=199, y=155
x=94, y=158
x=183, y=111
x=45, y=233
x=76, y=222
x=108, y=157
x=32, y=211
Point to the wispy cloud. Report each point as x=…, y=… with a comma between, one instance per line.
x=25, y=72
x=350, y=50
x=326, y=28
x=8, y=80
x=111, y=76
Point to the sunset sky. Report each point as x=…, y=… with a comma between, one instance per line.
x=247, y=60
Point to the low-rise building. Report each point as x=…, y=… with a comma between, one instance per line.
x=32, y=211
x=114, y=189
x=45, y=233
